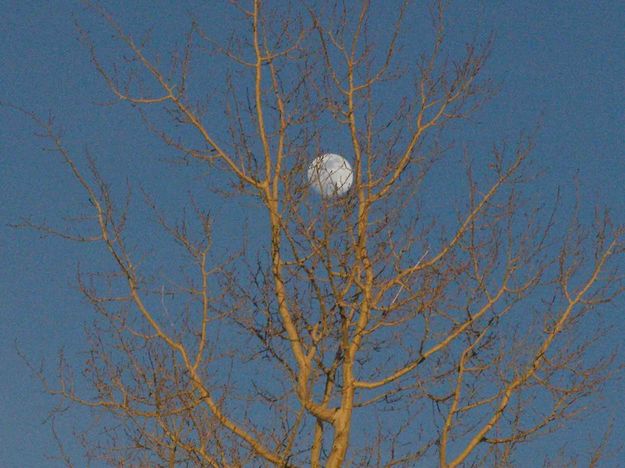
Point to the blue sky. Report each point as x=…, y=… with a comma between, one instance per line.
x=560, y=62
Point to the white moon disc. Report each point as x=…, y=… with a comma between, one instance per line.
x=330, y=174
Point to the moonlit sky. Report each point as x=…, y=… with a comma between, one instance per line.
x=559, y=62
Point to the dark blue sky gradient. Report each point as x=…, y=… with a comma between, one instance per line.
x=559, y=62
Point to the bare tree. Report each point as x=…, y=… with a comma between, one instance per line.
x=364, y=329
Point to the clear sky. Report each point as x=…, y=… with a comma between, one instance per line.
x=561, y=62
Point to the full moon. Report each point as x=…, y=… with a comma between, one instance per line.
x=330, y=174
